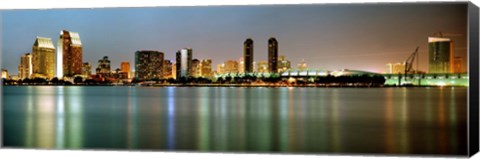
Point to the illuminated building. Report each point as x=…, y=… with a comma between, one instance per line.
x=248, y=55
x=220, y=68
x=205, y=68
x=458, y=65
x=148, y=65
x=25, y=68
x=167, y=69
x=440, y=55
x=302, y=65
x=4, y=74
x=174, y=70
x=395, y=68
x=283, y=64
x=262, y=66
x=87, y=69
x=230, y=66
x=69, y=54
x=195, y=68
x=103, y=66
x=43, y=58
x=125, y=67
x=241, y=66
x=184, y=63
x=272, y=55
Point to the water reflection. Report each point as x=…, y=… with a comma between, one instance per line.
x=384, y=120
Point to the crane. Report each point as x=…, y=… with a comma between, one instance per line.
x=409, y=66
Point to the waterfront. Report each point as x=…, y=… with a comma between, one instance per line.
x=429, y=120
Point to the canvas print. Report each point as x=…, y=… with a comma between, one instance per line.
x=389, y=79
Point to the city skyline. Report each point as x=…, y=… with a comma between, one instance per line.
x=297, y=41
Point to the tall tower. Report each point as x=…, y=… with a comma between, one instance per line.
x=43, y=58
x=148, y=64
x=69, y=54
x=272, y=55
x=248, y=55
x=183, y=63
x=440, y=55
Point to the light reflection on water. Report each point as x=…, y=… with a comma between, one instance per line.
x=311, y=120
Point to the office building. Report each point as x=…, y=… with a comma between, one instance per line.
x=149, y=64
x=69, y=54
x=43, y=58
x=184, y=63
x=167, y=69
x=103, y=66
x=220, y=68
x=440, y=55
x=125, y=68
x=458, y=65
x=206, y=68
x=4, y=73
x=262, y=67
x=272, y=55
x=248, y=55
x=174, y=70
x=25, y=68
x=87, y=69
x=241, y=66
x=195, y=68
x=230, y=66
x=283, y=64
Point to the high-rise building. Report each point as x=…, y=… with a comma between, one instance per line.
x=241, y=66
x=248, y=55
x=262, y=67
x=43, y=58
x=174, y=70
x=283, y=64
x=458, y=65
x=272, y=55
x=103, y=66
x=230, y=66
x=69, y=54
x=86, y=69
x=167, y=69
x=220, y=68
x=440, y=55
x=25, y=68
x=125, y=68
x=302, y=65
x=5, y=73
x=149, y=64
x=195, y=68
x=206, y=68
x=184, y=63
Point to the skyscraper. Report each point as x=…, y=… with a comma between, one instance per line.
x=440, y=55
x=167, y=69
x=69, y=54
x=231, y=66
x=248, y=55
x=184, y=63
x=195, y=68
x=43, y=58
x=272, y=55
x=125, y=67
x=148, y=64
x=25, y=68
x=104, y=66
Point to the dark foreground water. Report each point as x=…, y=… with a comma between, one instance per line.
x=291, y=120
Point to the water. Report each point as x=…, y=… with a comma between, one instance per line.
x=286, y=120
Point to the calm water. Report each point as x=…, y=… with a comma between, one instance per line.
x=303, y=120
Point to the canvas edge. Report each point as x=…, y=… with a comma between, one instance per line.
x=473, y=53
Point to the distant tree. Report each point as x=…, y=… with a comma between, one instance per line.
x=78, y=80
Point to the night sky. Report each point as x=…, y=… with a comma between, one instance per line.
x=327, y=36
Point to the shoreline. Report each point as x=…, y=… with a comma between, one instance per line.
x=249, y=85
